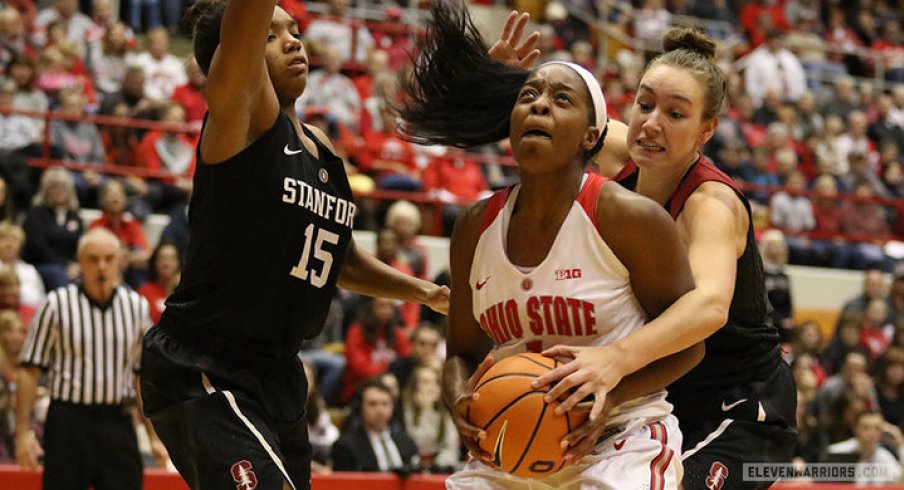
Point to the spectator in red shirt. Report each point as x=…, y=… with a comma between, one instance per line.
x=169, y=154
x=372, y=344
x=164, y=268
x=395, y=38
x=191, y=95
x=126, y=228
x=388, y=252
x=760, y=15
x=455, y=179
x=388, y=157
x=875, y=331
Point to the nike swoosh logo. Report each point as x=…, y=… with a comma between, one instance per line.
x=727, y=407
x=289, y=152
x=480, y=285
x=497, y=451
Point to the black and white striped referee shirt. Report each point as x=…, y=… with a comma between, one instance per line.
x=90, y=350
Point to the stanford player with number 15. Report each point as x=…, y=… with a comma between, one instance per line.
x=271, y=238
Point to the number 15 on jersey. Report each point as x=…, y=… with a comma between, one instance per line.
x=302, y=270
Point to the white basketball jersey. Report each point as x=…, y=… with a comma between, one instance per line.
x=580, y=294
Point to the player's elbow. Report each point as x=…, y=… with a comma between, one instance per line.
x=713, y=312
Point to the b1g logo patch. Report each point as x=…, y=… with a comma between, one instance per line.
x=564, y=274
x=718, y=473
x=243, y=474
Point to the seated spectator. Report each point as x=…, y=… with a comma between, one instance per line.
x=19, y=140
x=330, y=89
x=389, y=158
x=425, y=342
x=131, y=95
x=13, y=40
x=53, y=228
x=806, y=340
x=170, y=154
x=322, y=434
x=373, y=445
x=855, y=139
x=867, y=221
x=55, y=73
x=21, y=70
x=772, y=67
x=389, y=253
x=325, y=353
x=885, y=128
x=875, y=330
x=108, y=64
x=404, y=218
x=126, y=228
x=177, y=230
x=79, y=140
x=164, y=268
x=32, y=290
x=8, y=213
x=859, y=170
x=854, y=378
x=336, y=32
x=455, y=179
x=845, y=340
x=163, y=71
x=12, y=337
x=865, y=447
x=66, y=11
x=429, y=423
x=191, y=95
x=889, y=376
x=774, y=251
x=791, y=210
x=103, y=18
x=11, y=296
x=395, y=39
x=372, y=344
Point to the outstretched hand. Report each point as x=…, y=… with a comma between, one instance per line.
x=470, y=434
x=592, y=371
x=438, y=299
x=507, y=49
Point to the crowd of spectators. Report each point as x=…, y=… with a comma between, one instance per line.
x=814, y=127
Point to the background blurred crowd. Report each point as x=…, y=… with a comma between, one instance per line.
x=100, y=108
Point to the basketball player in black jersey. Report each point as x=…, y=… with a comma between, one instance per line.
x=738, y=405
x=271, y=238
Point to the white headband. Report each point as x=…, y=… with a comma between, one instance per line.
x=596, y=92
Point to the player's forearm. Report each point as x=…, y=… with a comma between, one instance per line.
x=365, y=274
x=657, y=375
x=26, y=394
x=688, y=321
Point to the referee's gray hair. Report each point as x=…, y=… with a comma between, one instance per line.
x=95, y=235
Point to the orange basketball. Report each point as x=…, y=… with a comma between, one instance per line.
x=523, y=432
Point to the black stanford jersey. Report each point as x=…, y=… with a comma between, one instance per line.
x=746, y=349
x=270, y=228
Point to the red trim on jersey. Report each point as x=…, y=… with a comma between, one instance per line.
x=494, y=205
x=661, y=462
x=627, y=170
x=702, y=171
x=589, y=196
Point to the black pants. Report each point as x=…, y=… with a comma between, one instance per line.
x=87, y=446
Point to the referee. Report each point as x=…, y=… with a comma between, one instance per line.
x=88, y=337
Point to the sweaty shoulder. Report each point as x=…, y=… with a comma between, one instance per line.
x=469, y=224
x=321, y=136
x=715, y=196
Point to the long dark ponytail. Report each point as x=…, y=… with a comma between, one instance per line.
x=456, y=95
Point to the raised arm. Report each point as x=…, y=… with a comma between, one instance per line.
x=241, y=98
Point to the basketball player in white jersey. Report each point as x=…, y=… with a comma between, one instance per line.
x=563, y=258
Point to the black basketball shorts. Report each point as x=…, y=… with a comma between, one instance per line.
x=216, y=434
